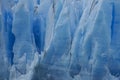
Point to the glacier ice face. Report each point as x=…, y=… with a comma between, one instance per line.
x=23, y=46
x=59, y=40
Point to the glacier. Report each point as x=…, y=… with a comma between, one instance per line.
x=59, y=40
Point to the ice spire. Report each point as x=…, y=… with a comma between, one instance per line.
x=24, y=43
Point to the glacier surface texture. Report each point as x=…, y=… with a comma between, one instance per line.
x=59, y=39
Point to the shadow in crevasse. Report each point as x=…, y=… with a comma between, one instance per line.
x=43, y=72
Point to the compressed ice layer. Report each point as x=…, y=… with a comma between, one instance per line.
x=59, y=40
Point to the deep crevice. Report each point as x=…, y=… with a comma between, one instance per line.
x=10, y=38
x=37, y=34
x=113, y=19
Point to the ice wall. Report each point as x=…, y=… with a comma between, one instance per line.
x=59, y=40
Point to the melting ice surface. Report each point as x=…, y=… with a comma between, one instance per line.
x=59, y=40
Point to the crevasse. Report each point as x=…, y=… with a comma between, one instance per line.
x=59, y=40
